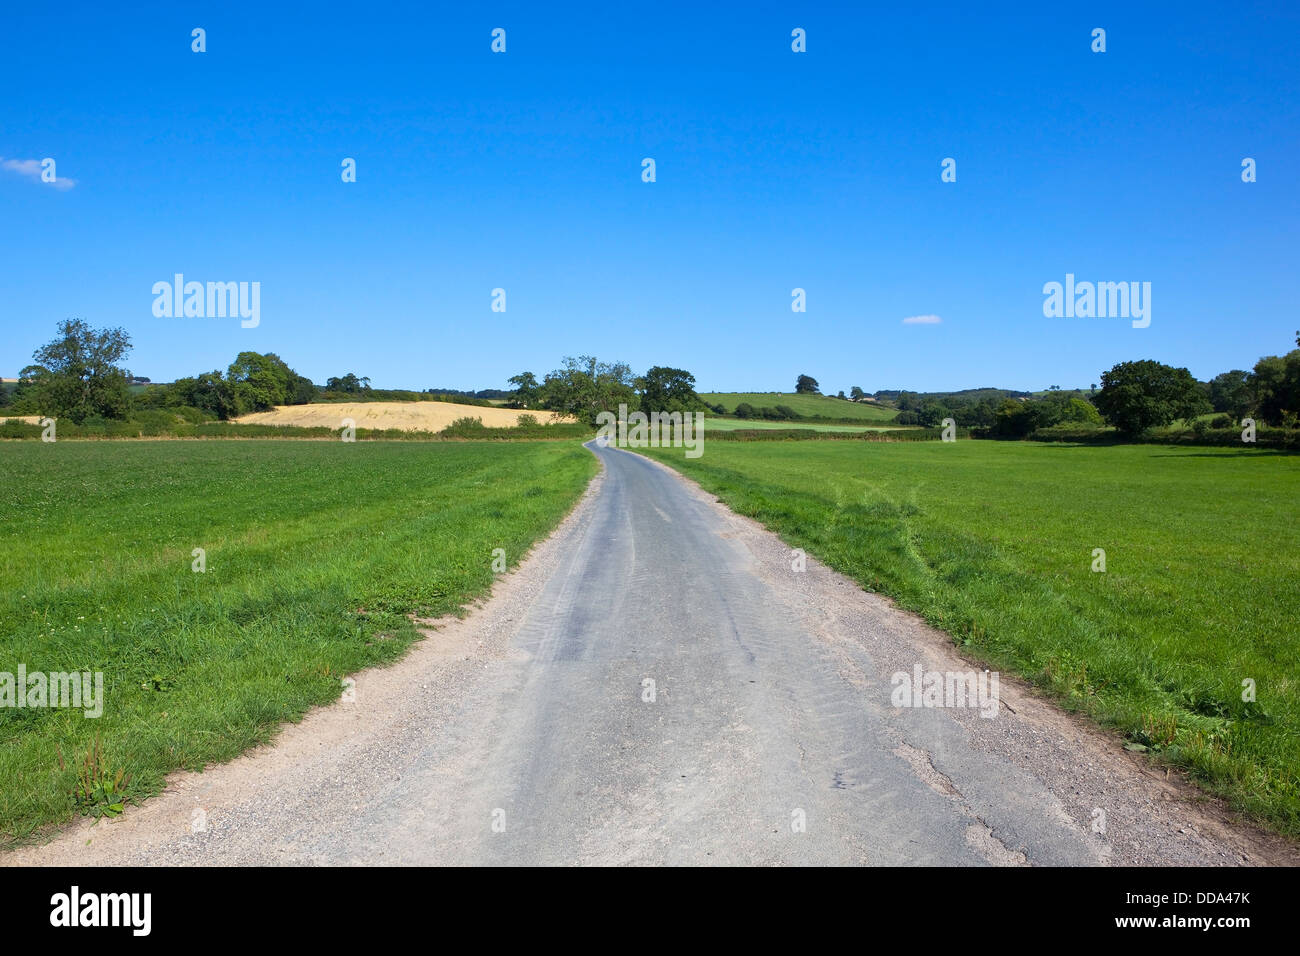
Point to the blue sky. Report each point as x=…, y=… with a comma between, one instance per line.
x=775, y=170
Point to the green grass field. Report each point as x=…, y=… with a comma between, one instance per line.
x=810, y=405
x=316, y=553
x=713, y=423
x=993, y=541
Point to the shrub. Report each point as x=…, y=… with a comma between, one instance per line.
x=192, y=415
x=464, y=428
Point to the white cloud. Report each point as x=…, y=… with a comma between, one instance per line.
x=31, y=169
x=922, y=320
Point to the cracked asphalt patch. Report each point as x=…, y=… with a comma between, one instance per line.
x=655, y=685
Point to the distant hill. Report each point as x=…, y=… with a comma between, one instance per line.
x=966, y=394
x=807, y=406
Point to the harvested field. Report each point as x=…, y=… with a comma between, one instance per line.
x=412, y=416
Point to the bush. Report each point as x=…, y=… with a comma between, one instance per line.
x=464, y=428
x=13, y=428
x=523, y=421
x=153, y=417
x=192, y=415
x=745, y=410
x=1080, y=411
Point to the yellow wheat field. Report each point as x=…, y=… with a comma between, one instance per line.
x=409, y=416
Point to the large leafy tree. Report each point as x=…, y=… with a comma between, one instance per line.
x=208, y=391
x=585, y=387
x=77, y=375
x=807, y=385
x=261, y=381
x=257, y=382
x=526, y=392
x=1233, y=392
x=1276, y=382
x=1016, y=419
x=668, y=390
x=1139, y=395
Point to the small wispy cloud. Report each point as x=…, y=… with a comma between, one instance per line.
x=922, y=320
x=31, y=169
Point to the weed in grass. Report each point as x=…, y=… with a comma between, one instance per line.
x=99, y=791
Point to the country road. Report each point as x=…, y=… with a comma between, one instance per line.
x=656, y=685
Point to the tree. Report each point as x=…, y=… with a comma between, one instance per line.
x=257, y=382
x=77, y=375
x=857, y=394
x=668, y=390
x=1276, y=384
x=1084, y=413
x=807, y=385
x=1233, y=392
x=1016, y=419
x=526, y=390
x=302, y=390
x=209, y=392
x=585, y=387
x=1136, y=396
x=348, y=383
x=908, y=401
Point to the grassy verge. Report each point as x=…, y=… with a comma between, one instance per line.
x=316, y=553
x=993, y=541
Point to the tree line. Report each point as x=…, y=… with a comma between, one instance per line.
x=79, y=375
x=585, y=386
x=1134, y=397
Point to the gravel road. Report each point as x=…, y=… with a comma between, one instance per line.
x=657, y=685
